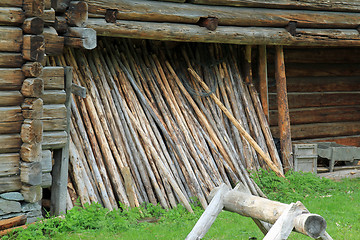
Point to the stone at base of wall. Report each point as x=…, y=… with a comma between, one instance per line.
x=7, y=207
x=12, y=196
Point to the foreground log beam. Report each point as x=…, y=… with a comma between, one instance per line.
x=79, y=37
x=232, y=35
x=11, y=16
x=347, y=5
x=283, y=110
x=156, y=11
x=10, y=39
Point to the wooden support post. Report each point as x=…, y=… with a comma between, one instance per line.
x=61, y=157
x=247, y=64
x=263, y=80
x=283, y=109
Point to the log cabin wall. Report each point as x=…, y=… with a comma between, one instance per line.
x=324, y=94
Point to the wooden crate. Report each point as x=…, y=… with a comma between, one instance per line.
x=305, y=157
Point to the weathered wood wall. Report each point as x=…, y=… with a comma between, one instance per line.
x=323, y=91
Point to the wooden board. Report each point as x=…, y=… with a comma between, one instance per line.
x=54, y=97
x=319, y=130
x=11, y=98
x=10, y=164
x=320, y=115
x=11, y=78
x=319, y=84
x=302, y=100
x=53, y=78
x=10, y=184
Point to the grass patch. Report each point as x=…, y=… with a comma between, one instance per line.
x=337, y=202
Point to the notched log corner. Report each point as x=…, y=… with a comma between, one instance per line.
x=210, y=23
x=110, y=15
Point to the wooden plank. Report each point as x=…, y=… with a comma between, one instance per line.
x=13, y=60
x=53, y=78
x=11, y=16
x=321, y=130
x=155, y=11
x=54, y=97
x=320, y=84
x=224, y=34
x=10, y=39
x=10, y=184
x=347, y=5
x=324, y=99
x=11, y=98
x=320, y=115
x=11, y=78
x=54, y=140
x=10, y=164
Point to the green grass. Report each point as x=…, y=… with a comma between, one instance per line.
x=337, y=202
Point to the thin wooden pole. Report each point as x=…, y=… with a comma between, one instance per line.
x=283, y=109
x=263, y=80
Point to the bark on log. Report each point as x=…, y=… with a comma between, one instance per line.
x=344, y=6
x=77, y=14
x=10, y=164
x=224, y=34
x=12, y=60
x=10, y=39
x=11, y=16
x=155, y=11
x=54, y=44
x=79, y=37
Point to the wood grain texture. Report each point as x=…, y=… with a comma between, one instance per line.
x=53, y=78
x=10, y=164
x=10, y=98
x=10, y=39
x=11, y=16
x=10, y=183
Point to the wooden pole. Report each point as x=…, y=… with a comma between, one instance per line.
x=263, y=80
x=238, y=126
x=283, y=109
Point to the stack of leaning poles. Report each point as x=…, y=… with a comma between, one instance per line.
x=155, y=127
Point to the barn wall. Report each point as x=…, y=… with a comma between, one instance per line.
x=323, y=92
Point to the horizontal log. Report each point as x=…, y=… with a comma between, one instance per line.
x=10, y=127
x=322, y=99
x=54, y=140
x=11, y=78
x=155, y=11
x=10, y=164
x=34, y=25
x=34, y=8
x=347, y=5
x=343, y=140
x=54, y=111
x=10, y=184
x=54, y=44
x=224, y=34
x=32, y=87
x=10, y=39
x=11, y=98
x=11, y=114
x=54, y=124
x=13, y=60
x=319, y=84
x=11, y=3
x=54, y=97
x=53, y=78
x=79, y=37
x=11, y=16
x=321, y=130
x=10, y=143
x=320, y=115
x=31, y=152
x=319, y=70
x=32, y=108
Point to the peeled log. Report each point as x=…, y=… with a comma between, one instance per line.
x=10, y=143
x=33, y=48
x=79, y=37
x=10, y=98
x=32, y=108
x=11, y=78
x=10, y=183
x=54, y=97
x=54, y=140
x=157, y=11
x=53, y=78
x=12, y=60
x=10, y=163
x=77, y=14
x=11, y=16
x=54, y=44
x=10, y=39
x=33, y=87
x=32, y=69
x=223, y=34
x=31, y=131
